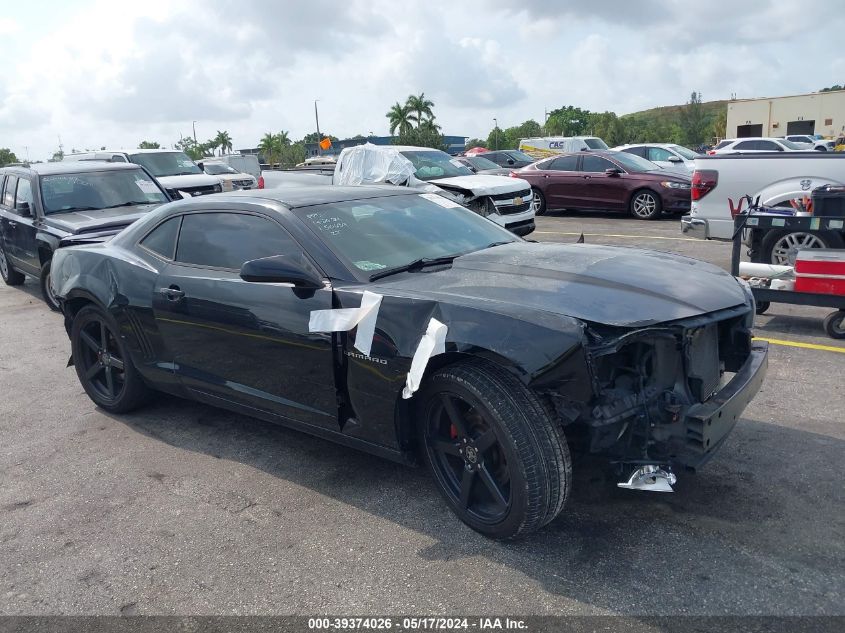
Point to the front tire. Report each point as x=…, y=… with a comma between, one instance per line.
x=834, y=324
x=10, y=276
x=645, y=205
x=538, y=201
x=498, y=458
x=102, y=362
x=46, y=289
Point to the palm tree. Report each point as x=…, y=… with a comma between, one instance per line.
x=269, y=147
x=399, y=117
x=223, y=141
x=282, y=139
x=420, y=108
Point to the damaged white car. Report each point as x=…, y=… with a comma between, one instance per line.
x=504, y=200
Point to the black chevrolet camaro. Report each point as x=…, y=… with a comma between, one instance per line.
x=402, y=324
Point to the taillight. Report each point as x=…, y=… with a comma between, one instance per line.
x=703, y=182
x=261, y=182
x=711, y=152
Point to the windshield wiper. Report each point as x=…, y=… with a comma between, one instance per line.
x=131, y=203
x=492, y=244
x=417, y=264
x=71, y=209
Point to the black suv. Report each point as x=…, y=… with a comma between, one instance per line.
x=47, y=205
x=509, y=158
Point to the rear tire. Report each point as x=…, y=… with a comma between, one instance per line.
x=498, y=458
x=10, y=276
x=46, y=289
x=103, y=364
x=779, y=247
x=645, y=205
x=834, y=324
x=538, y=201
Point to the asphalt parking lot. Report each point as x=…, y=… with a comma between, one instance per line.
x=184, y=509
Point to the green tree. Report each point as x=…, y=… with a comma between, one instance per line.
x=420, y=109
x=188, y=145
x=313, y=137
x=475, y=142
x=720, y=125
x=292, y=154
x=426, y=136
x=270, y=148
x=7, y=156
x=496, y=138
x=512, y=135
x=833, y=87
x=223, y=141
x=399, y=118
x=568, y=121
x=695, y=124
x=145, y=145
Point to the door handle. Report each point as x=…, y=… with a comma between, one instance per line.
x=172, y=294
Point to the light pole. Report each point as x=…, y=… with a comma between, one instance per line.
x=194, y=126
x=317, y=119
x=495, y=133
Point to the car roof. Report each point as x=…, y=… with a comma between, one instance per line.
x=309, y=195
x=126, y=151
x=645, y=145
x=77, y=167
x=755, y=138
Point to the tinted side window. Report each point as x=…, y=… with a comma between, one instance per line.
x=658, y=153
x=24, y=193
x=499, y=159
x=594, y=163
x=162, y=239
x=9, y=195
x=636, y=151
x=227, y=240
x=769, y=146
x=746, y=145
x=2, y=182
x=564, y=163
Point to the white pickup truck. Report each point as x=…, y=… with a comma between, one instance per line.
x=777, y=179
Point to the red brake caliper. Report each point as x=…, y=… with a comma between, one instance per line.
x=453, y=432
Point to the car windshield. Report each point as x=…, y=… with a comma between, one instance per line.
x=479, y=163
x=99, y=190
x=166, y=163
x=634, y=163
x=434, y=164
x=215, y=169
x=383, y=233
x=790, y=144
x=683, y=151
x=517, y=155
x=595, y=143
x=723, y=144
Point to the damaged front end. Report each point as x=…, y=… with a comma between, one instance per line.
x=667, y=395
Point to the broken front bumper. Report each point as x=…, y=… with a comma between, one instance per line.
x=708, y=424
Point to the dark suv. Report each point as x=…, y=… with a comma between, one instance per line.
x=509, y=158
x=51, y=204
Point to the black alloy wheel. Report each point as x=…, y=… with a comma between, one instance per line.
x=47, y=289
x=496, y=454
x=102, y=363
x=10, y=276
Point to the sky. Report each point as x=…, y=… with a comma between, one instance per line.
x=115, y=73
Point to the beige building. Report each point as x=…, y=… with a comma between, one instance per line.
x=815, y=113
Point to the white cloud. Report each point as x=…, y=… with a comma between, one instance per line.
x=113, y=74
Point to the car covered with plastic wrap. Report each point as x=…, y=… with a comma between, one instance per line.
x=381, y=319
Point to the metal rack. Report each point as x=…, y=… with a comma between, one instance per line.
x=833, y=324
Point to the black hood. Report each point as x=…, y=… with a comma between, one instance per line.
x=611, y=285
x=95, y=220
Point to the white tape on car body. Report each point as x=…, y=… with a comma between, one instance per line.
x=344, y=319
x=432, y=343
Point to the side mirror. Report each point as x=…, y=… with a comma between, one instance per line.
x=281, y=269
x=613, y=172
x=674, y=159
x=201, y=166
x=23, y=209
x=511, y=161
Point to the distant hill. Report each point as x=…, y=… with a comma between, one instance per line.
x=669, y=114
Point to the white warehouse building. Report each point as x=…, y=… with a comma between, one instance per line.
x=815, y=113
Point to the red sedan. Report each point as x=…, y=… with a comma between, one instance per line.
x=606, y=180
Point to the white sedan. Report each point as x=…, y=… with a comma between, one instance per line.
x=754, y=145
x=232, y=179
x=669, y=156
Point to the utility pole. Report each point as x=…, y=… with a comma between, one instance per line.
x=319, y=136
x=194, y=126
x=495, y=133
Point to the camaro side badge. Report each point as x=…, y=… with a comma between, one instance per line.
x=344, y=319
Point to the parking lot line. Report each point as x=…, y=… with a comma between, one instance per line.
x=826, y=348
x=643, y=237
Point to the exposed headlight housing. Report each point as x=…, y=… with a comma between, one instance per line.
x=674, y=184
